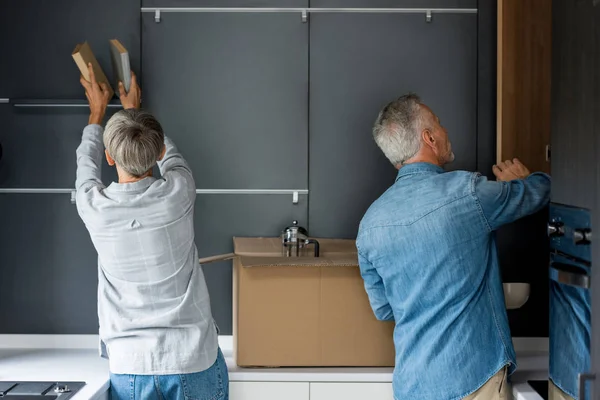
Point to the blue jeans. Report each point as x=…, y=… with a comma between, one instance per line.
x=212, y=384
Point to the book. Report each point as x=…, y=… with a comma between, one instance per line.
x=83, y=55
x=120, y=64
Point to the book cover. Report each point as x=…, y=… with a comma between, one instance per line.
x=120, y=64
x=83, y=55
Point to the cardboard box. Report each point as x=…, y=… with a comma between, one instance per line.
x=304, y=311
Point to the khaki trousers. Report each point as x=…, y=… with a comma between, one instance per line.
x=555, y=393
x=496, y=388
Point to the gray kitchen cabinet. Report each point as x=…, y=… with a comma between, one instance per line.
x=231, y=90
x=48, y=274
x=393, y=3
x=358, y=63
x=39, y=146
x=218, y=218
x=38, y=37
x=575, y=153
x=574, y=103
x=48, y=267
x=226, y=3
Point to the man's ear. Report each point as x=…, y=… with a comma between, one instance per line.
x=109, y=159
x=428, y=138
x=162, y=153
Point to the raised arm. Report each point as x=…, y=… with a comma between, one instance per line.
x=173, y=161
x=516, y=194
x=90, y=151
x=89, y=159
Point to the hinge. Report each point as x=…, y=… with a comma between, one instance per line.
x=428, y=16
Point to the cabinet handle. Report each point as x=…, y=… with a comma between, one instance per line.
x=305, y=11
x=582, y=378
x=548, y=152
x=35, y=105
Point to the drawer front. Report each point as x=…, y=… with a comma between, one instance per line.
x=268, y=391
x=351, y=391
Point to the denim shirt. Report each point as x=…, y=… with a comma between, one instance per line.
x=428, y=258
x=570, y=333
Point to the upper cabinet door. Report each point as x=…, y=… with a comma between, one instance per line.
x=37, y=38
x=39, y=147
x=524, y=64
x=226, y=3
x=575, y=100
x=358, y=63
x=231, y=89
x=393, y=3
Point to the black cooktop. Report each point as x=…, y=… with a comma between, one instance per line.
x=39, y=390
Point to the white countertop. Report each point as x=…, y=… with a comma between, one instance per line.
x=49, y=359
x=57, y=365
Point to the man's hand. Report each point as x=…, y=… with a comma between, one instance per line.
x=131, y=99
x=510, y=170
x=97, y=95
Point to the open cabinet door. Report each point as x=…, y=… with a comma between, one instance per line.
x=594, y=47
x=576, y=161
x=523, y=82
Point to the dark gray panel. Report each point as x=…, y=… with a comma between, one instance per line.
x=523, y=256
x=48, y=267
x=225, y=3
x=39, y=146
x=576, y=126
x=231, y=89
x=219, y=218
x=573, y=72
x=595, y=287
x=486, y=85
x=394, y=3
x=358, y=64
x=38, y=36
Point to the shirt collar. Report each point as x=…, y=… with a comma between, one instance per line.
x=138, y=186
x=419, y=168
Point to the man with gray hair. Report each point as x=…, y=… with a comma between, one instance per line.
x=428, y=258
x=156, y=326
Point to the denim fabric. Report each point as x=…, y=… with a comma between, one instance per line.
x=570, y=330
x=211, y=384
x=428, y=258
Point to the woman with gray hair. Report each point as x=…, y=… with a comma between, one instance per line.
x=156, y=326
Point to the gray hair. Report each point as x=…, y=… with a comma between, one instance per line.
x=398, y=127
x=135, y=140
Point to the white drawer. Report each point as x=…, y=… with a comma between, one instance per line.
x=351, y=391
x=269, y=391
